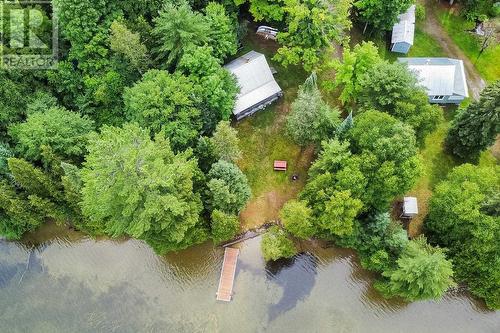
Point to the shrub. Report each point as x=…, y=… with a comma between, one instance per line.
x=275, y=245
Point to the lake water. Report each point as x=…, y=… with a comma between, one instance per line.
x=61, y=281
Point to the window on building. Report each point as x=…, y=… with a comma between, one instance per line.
x=438, y=98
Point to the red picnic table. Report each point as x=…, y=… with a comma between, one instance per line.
x=280, y=165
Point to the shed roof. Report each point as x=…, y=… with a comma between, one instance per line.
x=410, y=206
x=440, y=76
x=255, y=79
x=404, y=30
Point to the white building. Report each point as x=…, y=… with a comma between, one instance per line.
x=444, y=78
x=258, y=88
x=410, y=207
x=403, y=32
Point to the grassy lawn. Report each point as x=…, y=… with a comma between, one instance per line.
x=423, y=46
x=456, y=26
x=437, y=164
x=263, y=139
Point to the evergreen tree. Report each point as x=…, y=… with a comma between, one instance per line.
x=355, y=65
x=17, y=216
x=164, y=102
x=311, y=120
x=422, y=272
x=476, y=126
x=214, y=87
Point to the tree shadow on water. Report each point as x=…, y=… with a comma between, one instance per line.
x=297, y=277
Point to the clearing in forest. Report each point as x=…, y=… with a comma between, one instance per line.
x=263, y=139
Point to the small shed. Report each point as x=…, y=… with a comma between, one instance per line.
x=280, y=165
x=258, y=88
x=403, y=32
x=443, y=78
x=410, y=207
x=267, y=32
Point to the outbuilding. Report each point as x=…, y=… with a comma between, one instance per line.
x=403, y=32
x=410, y=207
x=443, y=78
x=258, y=88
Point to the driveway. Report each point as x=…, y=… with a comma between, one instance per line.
x=433, y=28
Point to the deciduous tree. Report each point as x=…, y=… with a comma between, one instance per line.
x=461, y=218
x=228, y=188
x=224, y=226
x=297, y=219
x=222, y=31
x=393, y=89
x=339, y=214
x=381, y=14
x=276, y=245
x=135, y=186
x=164, y=101
x=225, y=142
x=128, y=44
x=311, y=27
x=65, y=132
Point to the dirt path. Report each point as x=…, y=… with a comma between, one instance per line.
x=434, y=29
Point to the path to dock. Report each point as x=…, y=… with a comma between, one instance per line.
x=227, y=274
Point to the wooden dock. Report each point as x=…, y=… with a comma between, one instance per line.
x=226, y=282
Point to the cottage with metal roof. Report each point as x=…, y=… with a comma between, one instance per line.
x=444, y=78
x=258, y=88
x=403, y=32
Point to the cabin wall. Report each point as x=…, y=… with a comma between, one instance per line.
x=400, y=47
x=259, y=106
x=452, y=99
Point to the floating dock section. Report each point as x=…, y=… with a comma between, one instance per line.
x=226, y=282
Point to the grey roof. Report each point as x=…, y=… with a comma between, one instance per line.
x=440, y=76
x=410, y=206
x=404, y=30
x=254, y=78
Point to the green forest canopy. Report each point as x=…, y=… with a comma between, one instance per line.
x=129, y=137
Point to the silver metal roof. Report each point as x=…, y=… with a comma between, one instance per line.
x=254, y=78
x=440, y=76
x=410, y=206
x=404, y=30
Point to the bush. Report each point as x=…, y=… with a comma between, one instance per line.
x=420, y=12
x=296, y=217
x=275, y=245
x=224, y=226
